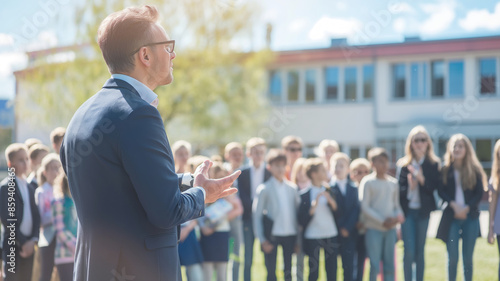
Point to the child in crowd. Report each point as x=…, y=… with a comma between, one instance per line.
x=233, y=154
x=462, y=187
x=298, y=175
x=348, y=203
x=215, y=234
x=326, y=149
x=44, y=195
x=26, y=225
x=274, y=215
x=317, y=216
x=56, y=138
x=382, y=211
x=251, y=177
x=36, y=153
x=360, y=167
x=66, y=223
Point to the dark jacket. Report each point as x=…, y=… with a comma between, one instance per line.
x=244, y=183
x=127, y=195
x=447, y=192
x=304, y=218
x=348, y=205
x=16, y=217
x=426, y=192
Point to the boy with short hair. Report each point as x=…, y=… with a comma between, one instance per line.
x=251, y=177
x=36, y=153
x=21, y=219
x=233, y=154
x=348, y=201
x=382, y=211
x=274, y=215
x=56, y=138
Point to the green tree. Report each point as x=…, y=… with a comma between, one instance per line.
x=218, y=90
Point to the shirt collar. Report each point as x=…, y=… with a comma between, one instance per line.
x=260, y=169
x=414, y=162
x=146, y=93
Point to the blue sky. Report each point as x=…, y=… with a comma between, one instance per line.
x=37, y=24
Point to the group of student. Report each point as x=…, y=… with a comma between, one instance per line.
x=43, y=209
x=326, y=204
x=330, y=205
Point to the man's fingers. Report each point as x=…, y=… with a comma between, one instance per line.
x=227, y=181
x=228, y=192
x=203, y=168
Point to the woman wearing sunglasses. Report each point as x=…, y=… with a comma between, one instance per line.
x=418, y=176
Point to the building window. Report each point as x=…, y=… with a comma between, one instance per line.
x=456, y=78
x=487, y=75
x=437, y=74
x=399, y=81
x=368, y=81
x=275, y=86
x=414, y=81
x=332, y=83
x=350, y=83
x=310, y=85
x=293, y=85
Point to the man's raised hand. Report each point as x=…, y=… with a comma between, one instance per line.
x=214, y=188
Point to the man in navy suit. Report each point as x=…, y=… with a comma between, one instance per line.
x=119, y=162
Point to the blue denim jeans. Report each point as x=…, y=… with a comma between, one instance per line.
x=414, y=231
x=470, y=231
x=380, y=247
x=248, y=238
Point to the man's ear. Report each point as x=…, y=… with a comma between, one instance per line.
x=144, y=56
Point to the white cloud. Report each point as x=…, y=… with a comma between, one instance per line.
x=440, y=17
x=44, y=40
x=402, y=7
x=11, y=61
x=399, y=25
x=297, y=25
x=6, y=40
x=326, y=28
x=477, y=19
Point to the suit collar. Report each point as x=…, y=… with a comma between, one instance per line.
x=117, y=83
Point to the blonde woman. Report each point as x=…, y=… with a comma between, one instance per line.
x=298, y=175
x=462, y=187
x=418, y=176
x=494, y=184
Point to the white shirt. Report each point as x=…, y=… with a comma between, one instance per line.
x=322, y=224
x=414, y=195
x=150, y=97
x=284, y=223
x=459, y=192
x=257, y=178
x=341, y=183
x=26, y=226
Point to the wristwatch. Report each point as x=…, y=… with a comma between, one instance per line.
x=187, y=182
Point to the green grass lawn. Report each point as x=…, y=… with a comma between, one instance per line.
x=485, y=263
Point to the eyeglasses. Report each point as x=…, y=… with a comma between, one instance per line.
x=294, y=149
x=422, y=140
x=170, y=44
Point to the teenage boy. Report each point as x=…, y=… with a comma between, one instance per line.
x=380, y=207
x=274, y=215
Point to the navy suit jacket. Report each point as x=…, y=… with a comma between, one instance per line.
x=122, y=177
x=18, y=214
x=348, y=206
x=245, y=191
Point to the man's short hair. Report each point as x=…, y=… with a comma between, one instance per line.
x=13, y=149
x=275, y=155
x=123, y=32
x=57, y=135
x=286, y=141
x=254, y=142
x=36, y=149
x=376, y=153
x=312, y=165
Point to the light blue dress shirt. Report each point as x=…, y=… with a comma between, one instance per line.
x=146, y=93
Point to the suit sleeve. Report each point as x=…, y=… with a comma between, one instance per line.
x=148, y=161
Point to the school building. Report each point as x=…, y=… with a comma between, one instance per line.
x=372, y=95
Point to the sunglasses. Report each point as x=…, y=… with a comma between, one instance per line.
x=422, y=140
x=293, y=149
x=169, y=46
